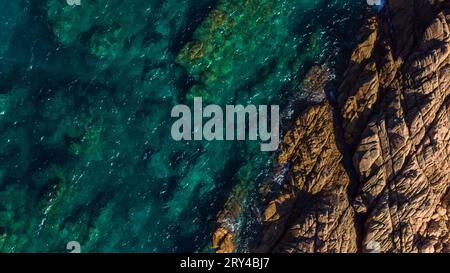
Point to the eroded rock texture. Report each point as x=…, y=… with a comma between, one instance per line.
x=312, y=212
x=402, y=157
x=392, y=120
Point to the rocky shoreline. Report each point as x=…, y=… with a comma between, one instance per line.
x=368, y=172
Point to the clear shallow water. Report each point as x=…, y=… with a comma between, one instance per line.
x=85, y=97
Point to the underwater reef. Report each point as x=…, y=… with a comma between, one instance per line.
x=86, y=93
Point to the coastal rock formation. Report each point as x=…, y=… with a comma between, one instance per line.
x=372, y=173
x=402, y=157
x=311, y=212
x=227, y=230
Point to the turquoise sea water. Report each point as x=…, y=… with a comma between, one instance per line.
x=85, y=98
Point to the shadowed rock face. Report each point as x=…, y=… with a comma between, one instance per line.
x=373, y=172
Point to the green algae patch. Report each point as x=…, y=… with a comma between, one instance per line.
x=239, y=38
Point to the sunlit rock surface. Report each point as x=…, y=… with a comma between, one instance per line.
x=372, y=174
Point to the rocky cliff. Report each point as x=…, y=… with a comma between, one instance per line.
x=369, y=171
